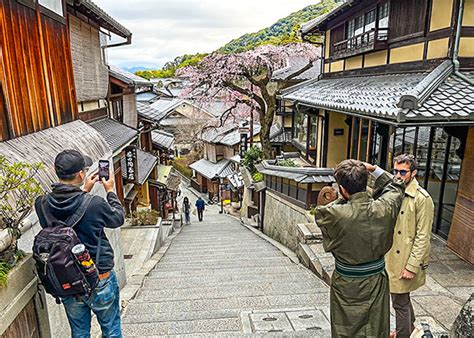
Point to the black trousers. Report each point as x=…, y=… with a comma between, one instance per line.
x=200, y=212
x=404, y=314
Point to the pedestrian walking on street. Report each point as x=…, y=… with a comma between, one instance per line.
x=200, y=206
x=358, y=229
x=61, y=205
x=187, y=210
x=408, y=258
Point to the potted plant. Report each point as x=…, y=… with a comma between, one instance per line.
x=18, y=191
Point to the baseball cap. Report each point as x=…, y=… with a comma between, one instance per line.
x=69, y=162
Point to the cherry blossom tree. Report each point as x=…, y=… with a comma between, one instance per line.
x=246, y=80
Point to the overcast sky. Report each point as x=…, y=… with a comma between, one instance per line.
x=164, y=29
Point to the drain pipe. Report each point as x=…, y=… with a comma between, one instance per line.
x=456, y=45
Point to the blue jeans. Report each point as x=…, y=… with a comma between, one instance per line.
x=187, y=217
x=104, y=302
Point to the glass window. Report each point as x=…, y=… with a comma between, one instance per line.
x=450, y=189
x=359, y=25
x=422, y=144
x=383, y=15
x=364, y=140
x=301, y=127
x=313, y=138
x=435, y=172
x=350, y=28
x=53, y=5
x=374, y=157
x=355, y=137
x=370, y=20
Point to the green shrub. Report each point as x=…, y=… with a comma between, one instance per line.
x=287, y=163
x=257, y=177
x=252, y=157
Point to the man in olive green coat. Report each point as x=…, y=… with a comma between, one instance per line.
x=358, y=230
x=408, y=258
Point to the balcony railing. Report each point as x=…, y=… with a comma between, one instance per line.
x=372, y=40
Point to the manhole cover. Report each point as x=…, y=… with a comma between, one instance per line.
x=127, y=256
x=269, y=319
x=305, y=316
x=313, y=328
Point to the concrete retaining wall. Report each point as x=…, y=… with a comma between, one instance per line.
x=281, y=219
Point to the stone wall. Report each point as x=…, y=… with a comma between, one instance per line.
x=281, y=219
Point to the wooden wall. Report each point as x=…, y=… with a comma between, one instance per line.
x=35, y=71
x=461, y=234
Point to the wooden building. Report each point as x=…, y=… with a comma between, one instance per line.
x=398, y=77
x=52, y=69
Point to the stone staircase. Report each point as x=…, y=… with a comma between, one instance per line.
x=311, y=252
x=219, y=278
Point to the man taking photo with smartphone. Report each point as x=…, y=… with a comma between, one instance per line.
x=65, y=198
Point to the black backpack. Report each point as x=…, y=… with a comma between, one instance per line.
x=58, y=269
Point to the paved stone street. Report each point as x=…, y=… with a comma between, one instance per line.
x=218, y=277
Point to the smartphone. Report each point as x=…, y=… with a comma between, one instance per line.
x=104, y=170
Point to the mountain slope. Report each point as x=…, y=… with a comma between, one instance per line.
x=283, y=31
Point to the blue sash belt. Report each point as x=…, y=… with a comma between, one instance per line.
x=361, y=270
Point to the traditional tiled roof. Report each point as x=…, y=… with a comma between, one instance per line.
x=209, y=169
x=146, y=97
x=298, y=174
x=146, y=163
x=168, y=178
x=44, y=145
x=162, y=139
x=116, y=134
x=128, y=78
x=150, y=113
x=90, y=9
x=435, y=95
x=454, y=98
x=296, y=64
x=229, y=135
x=279, y=134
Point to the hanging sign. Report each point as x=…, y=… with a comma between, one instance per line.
x=131, y=170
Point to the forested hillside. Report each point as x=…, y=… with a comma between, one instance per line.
x=281, y=32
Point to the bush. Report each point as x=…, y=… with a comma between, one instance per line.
x=181, y=164
x=145, y=217
x=252, y=157
x=287, y=163
x=257, y=177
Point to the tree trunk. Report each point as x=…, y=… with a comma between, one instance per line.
x=266, y=121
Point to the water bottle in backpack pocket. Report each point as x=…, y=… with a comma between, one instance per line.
x=63, y=263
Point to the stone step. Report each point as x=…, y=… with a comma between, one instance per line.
x=178, y=316
x=220, y=256
x=207, y=326
x=223, y=265
x=211, y=263
x=225, y=280
x=283, y=269
x=267, y=289
x=138, y=306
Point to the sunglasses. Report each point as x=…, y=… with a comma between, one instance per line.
x=401, y=172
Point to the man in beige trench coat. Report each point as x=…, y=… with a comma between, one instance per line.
x=407, y=260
